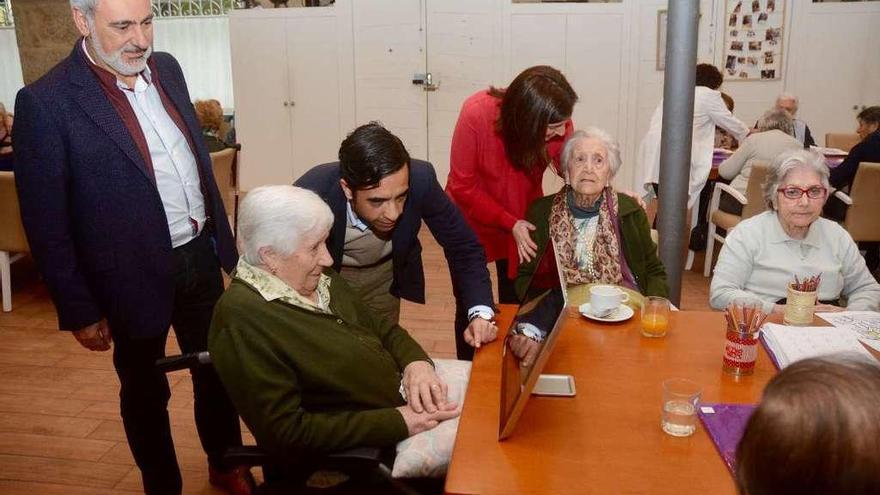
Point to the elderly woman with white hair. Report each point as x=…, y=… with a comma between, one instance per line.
x=763, y=254
x=308, y=366
x=599, y=235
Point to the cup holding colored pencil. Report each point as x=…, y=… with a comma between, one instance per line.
x=744, y=321
x=801, y=301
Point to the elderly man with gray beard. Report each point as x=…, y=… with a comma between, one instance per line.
x=119, y=204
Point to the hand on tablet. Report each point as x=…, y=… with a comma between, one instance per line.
x=480, y=331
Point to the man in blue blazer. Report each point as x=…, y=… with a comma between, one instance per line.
x=379, y=197
x=126, y=225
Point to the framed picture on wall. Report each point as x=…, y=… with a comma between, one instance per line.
x=661, y=40
x=753, y=40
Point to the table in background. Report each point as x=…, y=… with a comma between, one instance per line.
x=718, y=156
x=606, y=439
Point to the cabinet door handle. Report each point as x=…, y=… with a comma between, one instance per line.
x=286, y=103
x=426, y=81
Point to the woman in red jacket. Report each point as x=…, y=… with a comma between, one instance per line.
x=504, y=140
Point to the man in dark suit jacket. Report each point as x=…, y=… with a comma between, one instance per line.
x=126, y=225
x=843, y=175
x=379, y=197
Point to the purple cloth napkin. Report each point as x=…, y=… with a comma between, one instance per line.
x=725, y=427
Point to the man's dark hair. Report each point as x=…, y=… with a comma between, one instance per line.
x=870, y=115
x=708, y=75
x=369, y=154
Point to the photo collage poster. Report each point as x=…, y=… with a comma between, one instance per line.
x=753, y=40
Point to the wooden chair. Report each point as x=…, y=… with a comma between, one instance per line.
x=753, y=203
x=223, y=163
x=841, y=141
x=13, y=243
x=862, y=221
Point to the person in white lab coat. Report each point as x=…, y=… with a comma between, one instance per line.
x=709, y=112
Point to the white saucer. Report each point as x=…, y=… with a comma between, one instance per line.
x=623, y=313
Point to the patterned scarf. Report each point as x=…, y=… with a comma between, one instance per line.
x=606, y=246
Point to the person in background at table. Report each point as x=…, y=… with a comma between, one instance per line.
x=503, y=141
x=789, y=103
x=380, y=197
x=210, y=115
x=816, y=430
x=867, y=150
x=723, y=139
x=5, y=139
x=709, y=112
x=771, y=137
x=843, y=175
x=599, y=235
x=763, y=254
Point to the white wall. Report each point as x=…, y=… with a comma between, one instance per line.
x=201, y=45
x=834, y=63
x=10, y=75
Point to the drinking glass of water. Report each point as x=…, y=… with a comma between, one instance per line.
x=680, y=400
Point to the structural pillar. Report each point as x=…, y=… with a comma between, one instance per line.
x=675, y=141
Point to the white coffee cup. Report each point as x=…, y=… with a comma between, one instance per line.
x=604, y=298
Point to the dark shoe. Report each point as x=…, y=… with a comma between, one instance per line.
x=698, y=238
x=236, y=481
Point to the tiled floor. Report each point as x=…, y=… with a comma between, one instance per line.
x=60, y=431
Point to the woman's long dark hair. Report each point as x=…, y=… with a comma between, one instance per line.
x=538, y=96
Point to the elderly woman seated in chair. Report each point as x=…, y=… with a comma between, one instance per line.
x=763, y=254
x=599, y=235
x=309, y=367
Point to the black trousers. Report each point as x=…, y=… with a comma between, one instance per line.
x=144, y=391
x=463, y=350
x=506, y=286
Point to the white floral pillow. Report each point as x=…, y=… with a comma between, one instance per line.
x=427, y=454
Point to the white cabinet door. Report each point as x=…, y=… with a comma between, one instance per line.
x=590, y=44
x=389, y=49
x=834, y=63
x=463, y=41
x=315, y=72
x=260, y=78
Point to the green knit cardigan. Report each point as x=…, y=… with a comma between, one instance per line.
x=639, y=249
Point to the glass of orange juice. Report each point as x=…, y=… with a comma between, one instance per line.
x=655, y=316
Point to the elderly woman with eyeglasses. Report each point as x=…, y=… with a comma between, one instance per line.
x=599, y=235
x=763, y=254
x=306, y=363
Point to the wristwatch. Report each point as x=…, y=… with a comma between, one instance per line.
x=480, y=313
x=529, y=331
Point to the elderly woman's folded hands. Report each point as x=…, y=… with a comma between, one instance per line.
x=425, y=391
x=427, y=405
x=419, y=422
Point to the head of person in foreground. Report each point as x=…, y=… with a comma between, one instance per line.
x=817, y=430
